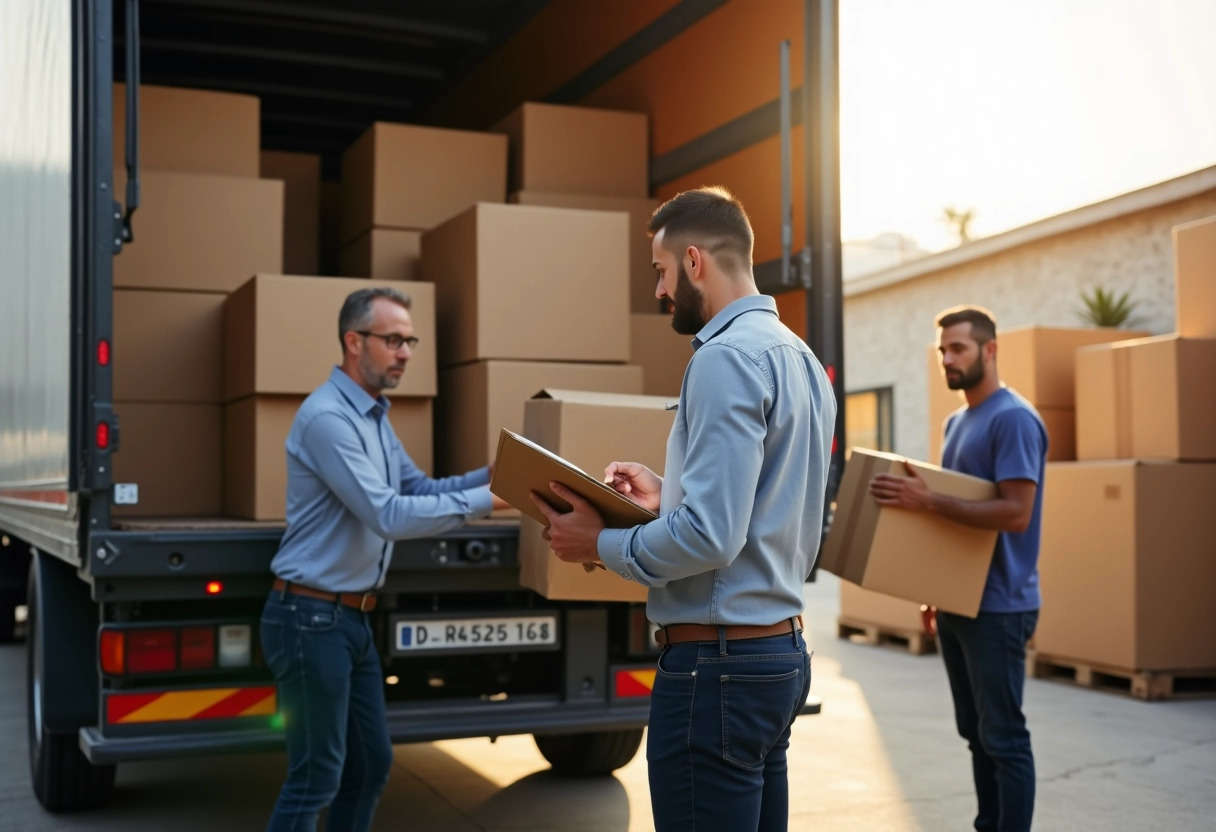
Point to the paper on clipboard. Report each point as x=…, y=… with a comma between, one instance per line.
x=522, y=466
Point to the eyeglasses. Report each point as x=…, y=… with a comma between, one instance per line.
x=393, y=341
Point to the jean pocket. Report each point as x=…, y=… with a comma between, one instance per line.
x=677, y=665
x=274, y=646
x=756, y=711
x=312, y=618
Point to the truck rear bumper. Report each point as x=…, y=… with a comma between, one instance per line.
x=414, y=725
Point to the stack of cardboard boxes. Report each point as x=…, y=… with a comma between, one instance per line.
x=207, y=221
x=1128, y=559
x=551, y=146
x=532, y=296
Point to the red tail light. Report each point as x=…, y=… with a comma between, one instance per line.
x=113, y=652
x=103, y=353
x=198, y=648
x=151, y=651
x=103, y=435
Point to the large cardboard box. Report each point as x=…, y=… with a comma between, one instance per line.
x=300, y=174
x=578, y=150
x=1040, y=362
x=661, y=352
x=912, y=555
x=1127, y=565
x=477, y=400
x=589, y=430
x=255, y=451
x=383, y=254
x=174, y=453
x=1152, y=398
x=893, y=614
x=1195, y=278
x=529, y=283
x=642, y=276
x=201, y=233
x=404, y=176
x=168, y=346
x=281, y=335
x=191, y=131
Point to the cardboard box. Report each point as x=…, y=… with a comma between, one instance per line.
x=201, y=233
x=1127, y=565
x=300, y=174
x=383, y=254
x=893, y=614
x=1040, y=362
x=661, y=352
x=1152, y=398
x=1195, y=278
x=912, y=555
x=191, y=131
x=477, y=400
x=255, y=453
x=642, y=276
x=529, y=283
x=404, y=176
x=281, y=335
x=168, y=346
x=174, y=453
x=578, y=150
x=590, y=430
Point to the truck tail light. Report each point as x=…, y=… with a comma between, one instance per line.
x=103, y=436
x=103, y=353
x=198, y=648
x=151, y=651
x=128, y=651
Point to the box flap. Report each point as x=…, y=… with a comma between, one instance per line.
x=604, y=399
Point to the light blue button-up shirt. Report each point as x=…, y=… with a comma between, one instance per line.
x=352, y=490
x=747, y=461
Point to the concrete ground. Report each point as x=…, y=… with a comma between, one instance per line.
x=883, y=756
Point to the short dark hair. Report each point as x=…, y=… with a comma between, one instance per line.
x=710, y=218
x=356, y=311
x=983, y=322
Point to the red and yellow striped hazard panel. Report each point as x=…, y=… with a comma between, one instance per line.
x=634, y=682
x=207, y=703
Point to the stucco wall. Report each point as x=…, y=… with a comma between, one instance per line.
x=887, y=330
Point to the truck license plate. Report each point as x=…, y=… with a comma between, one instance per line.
x=475, y=634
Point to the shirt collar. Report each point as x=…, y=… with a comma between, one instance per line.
x=356, y=395
x=719, y=322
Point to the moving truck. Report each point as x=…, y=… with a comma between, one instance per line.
x=142, y=633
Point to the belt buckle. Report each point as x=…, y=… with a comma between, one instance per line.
x=363, y=599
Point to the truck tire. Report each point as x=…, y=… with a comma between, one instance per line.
x=591, y=754
x=62, y=776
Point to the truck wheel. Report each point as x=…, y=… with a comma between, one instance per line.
x=62, y=776
x=590, y=754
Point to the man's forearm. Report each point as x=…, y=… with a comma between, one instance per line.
x=995, y=515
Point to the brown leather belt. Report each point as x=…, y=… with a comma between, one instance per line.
x=680, y=633
x=362, y=601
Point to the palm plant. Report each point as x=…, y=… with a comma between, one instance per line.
x=1102, y=307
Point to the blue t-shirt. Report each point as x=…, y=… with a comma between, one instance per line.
x=1001, y=439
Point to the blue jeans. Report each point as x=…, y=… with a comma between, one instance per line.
x=720, y=718
x=331, y=695
x=985, y=660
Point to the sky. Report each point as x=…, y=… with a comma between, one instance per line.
x=1017, y=109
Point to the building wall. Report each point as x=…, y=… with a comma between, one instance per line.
x=886, y=330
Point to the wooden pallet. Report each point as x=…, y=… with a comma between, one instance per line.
x=1149, y=685
x=916, y=642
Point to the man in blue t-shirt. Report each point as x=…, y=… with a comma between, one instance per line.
x=998, y=436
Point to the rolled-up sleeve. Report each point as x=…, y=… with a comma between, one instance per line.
x=338, y=457
x=724, y=409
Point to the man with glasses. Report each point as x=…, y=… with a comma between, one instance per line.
x=351, y=491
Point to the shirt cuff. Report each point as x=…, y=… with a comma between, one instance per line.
x=611, y=547
x=480, y=501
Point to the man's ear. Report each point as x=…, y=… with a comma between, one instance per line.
x=350, y=343
x=990, y=349
x=696, y=259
